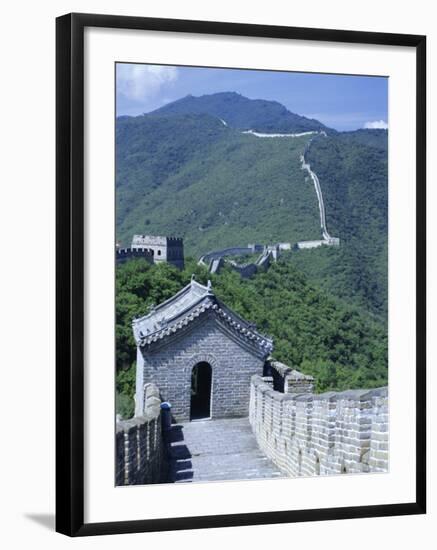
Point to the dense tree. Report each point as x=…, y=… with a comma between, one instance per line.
x=189, y=175
x=182, y=171
x=340, y=345
x=352, y=169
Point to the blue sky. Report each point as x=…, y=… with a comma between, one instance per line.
x=340, y=102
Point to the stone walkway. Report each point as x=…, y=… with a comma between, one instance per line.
x=216, y=450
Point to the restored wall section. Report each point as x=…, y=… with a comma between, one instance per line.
x=232, y=251
x=140, y=455
x=164, y=249
x=288, y=380
x=217, y=259
x=331, y=433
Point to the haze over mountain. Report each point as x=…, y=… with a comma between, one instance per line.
x=187, y=169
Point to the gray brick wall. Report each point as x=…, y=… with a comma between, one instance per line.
x=170, y=367
x=330, y=433
x=139, y=447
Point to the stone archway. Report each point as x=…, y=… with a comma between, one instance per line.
x=196, y=359
x=201, y=391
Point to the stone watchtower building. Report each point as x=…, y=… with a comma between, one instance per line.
x=163, y=249
x=200, y=354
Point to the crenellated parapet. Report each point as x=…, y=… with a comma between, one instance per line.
x=288, y=380
x=125, y=254
x=140, y=454
x=306, y=434
x=155, y=249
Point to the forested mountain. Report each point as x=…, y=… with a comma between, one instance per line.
x=352, y=169
x=242, y=113
x=182, y=171
x=191, y=176
x=340, y=345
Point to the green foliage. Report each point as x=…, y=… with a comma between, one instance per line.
x=181, y=171
x=191, y=176
x=138, y=287
x=340, y=345
x=125, y=379
x=125, y=385
x=312, y=331
x=124, y=404
x=352, y=169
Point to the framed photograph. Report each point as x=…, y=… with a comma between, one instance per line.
x=240, y=274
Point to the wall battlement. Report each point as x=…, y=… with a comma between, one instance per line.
x=140, y=453
x=216, y=259
x=331, y=433
x=288, y=380
x=154, y=249
x=332, y=241
x=164, y=249
x=145, y=240
x=124, y=254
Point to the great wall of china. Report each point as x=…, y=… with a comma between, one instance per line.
x=216, y=259
x=199, y=418
x=170, y=249
x=300, y=432
x=285, y=429
x=307, y=434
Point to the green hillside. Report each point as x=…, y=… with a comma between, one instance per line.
x=243, y=113
x=312, y=331
x=193, y=177
x=180, y=171
x=352, y=169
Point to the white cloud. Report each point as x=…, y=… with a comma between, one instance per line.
x=376, y=125
x=142, y=82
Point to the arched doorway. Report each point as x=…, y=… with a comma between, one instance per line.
x=201, y=377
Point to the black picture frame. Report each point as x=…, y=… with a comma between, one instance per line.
x=70, y=273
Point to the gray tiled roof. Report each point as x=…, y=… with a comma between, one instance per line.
x=184, y=307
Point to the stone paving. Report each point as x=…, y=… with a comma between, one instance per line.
x=216, y=450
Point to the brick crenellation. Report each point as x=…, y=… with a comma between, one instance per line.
x=331, y=433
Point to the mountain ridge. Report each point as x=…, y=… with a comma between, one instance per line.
x=199, y=176
x=243, y=113
x=211, y=182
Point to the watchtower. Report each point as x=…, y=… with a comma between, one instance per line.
x=164, y=249
x=200, y=354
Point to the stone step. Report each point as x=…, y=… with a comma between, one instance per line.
x=217, y=450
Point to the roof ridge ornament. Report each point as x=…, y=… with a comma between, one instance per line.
x=189, y=304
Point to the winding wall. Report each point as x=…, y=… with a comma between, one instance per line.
x=313, y=176
x=215, y=260
x=327, y=239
